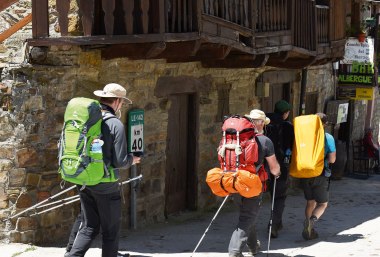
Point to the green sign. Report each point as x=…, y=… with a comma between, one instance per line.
x=362, y=79
x=136, y=130
x=357, y=74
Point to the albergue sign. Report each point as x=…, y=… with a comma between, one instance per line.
x=358, y=73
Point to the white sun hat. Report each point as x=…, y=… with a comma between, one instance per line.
x=257, y=114
x=113, y=90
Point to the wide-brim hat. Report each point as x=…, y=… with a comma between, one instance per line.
x=113, y=90
x=257, y=114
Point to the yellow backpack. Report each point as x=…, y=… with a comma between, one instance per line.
x=308, y=148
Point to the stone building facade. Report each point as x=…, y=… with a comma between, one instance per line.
x=36, y=88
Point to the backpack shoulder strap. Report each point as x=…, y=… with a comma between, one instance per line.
x=107, y=115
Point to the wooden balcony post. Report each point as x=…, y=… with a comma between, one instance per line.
x=40, y=20
x=63, y=7
x=144, y=15
x=108, y=8
x=87, y=8
x=158, y=16
x=161, y=15
x=199, y=10
x=128, y=6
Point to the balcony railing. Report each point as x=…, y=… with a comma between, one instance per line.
x=251, y=26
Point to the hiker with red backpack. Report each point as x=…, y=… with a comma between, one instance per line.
x=281, y=132
x=99, y=195
x=245, y=232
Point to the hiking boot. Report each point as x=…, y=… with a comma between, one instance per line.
x=123, y=254
x=236, y=255
x=255, y=250
x=313, y=234
x=275, y=229
x=307, y=228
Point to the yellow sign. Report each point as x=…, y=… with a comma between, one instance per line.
x=364, y=93
x=355, y=93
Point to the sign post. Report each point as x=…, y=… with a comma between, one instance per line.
x=135, y=146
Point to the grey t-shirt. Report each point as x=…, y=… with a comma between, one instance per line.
x=266, y=148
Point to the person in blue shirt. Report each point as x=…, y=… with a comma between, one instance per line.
x=316, y=189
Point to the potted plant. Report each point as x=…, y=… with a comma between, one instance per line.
x=362, y=34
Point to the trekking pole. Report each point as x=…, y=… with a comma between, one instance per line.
x=216, y=214
x=72, y=199
x=55, y=207
x=40, y=203
x=271, y=214
x=58, y=202
x=131, y=179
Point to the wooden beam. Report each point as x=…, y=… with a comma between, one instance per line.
x=156, y=49
x=6, y=3
x=16, y=27
x=260, y=60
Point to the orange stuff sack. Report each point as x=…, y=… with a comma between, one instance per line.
x=223, y=183
x=213, y=180
x=228, y=181
x=248, y=184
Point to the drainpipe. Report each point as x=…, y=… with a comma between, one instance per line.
x=301, y=109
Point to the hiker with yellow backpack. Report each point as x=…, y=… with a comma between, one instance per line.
x=313, y=151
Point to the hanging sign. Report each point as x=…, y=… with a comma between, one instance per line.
x=356, y=51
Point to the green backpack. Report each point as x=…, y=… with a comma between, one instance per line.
x=80, y=156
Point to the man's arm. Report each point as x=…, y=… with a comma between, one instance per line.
x=331, y=157
x=274, y=167
x=331, y=149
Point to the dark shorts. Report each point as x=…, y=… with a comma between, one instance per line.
x=316, y=189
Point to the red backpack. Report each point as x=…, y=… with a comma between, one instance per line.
x=238, y=156
x=238, y=148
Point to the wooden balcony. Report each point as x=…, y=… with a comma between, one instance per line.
x=219, y=33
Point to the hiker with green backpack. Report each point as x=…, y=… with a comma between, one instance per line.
x=92, y=149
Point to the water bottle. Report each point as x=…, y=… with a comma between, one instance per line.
x=286, y=160
x=288, y=152
x=96, y=145
x=327, y=172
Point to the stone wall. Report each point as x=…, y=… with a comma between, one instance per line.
x=32, y=123
x=34, y=97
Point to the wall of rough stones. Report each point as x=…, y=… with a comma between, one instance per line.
x=32, y=127
x=34, y=97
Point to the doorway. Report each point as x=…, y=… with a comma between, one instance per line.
x=277, y=92
x=181, y=174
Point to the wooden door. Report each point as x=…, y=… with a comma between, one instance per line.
x=180, y=182
x=277, y=92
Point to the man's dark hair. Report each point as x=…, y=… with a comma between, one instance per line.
x=107, y=100
x=323, y=117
